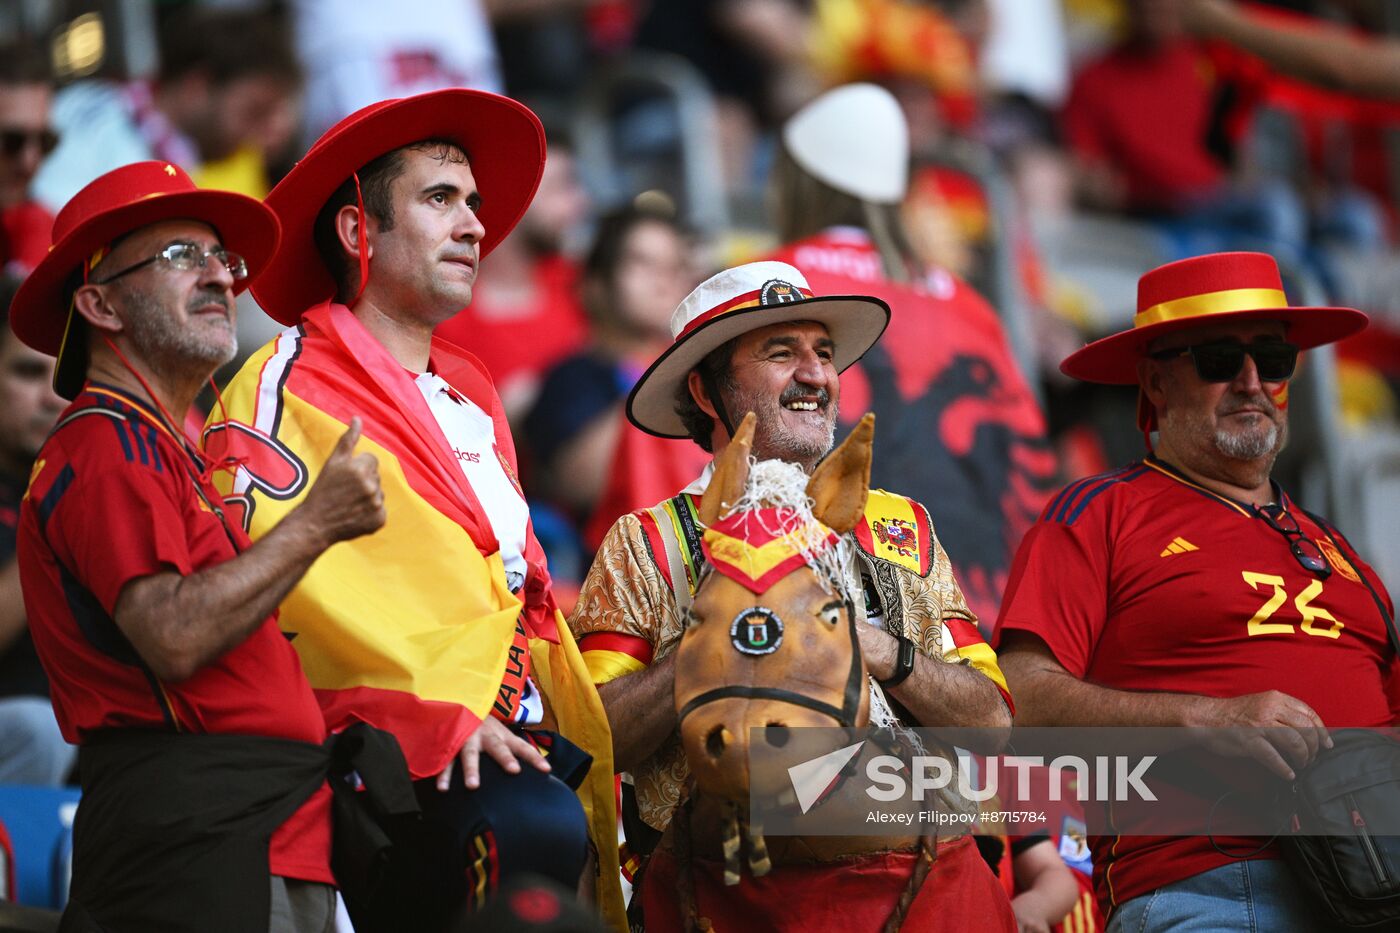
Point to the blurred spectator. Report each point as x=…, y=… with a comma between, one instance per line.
x=1026, y=51
x=1332, y=58
x=545, y=45
x=926, y=46
x=1138, y=118
x=1043, y=890
x=959, y=427
x=357, y=53
x=636, y=274
x=752, y=53
x=525, y=314
x=26, y=93
x=224, y=100
x=1138, y=121
x=32, y=750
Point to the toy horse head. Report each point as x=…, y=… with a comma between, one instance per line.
x=771, y=638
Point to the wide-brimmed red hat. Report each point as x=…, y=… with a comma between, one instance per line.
x=502, y=138
x=111, y=206
x=1206, y=290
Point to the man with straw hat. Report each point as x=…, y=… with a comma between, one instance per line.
x=442, y=629
x=153, y=614
x=756, y=338
x=1187, y=589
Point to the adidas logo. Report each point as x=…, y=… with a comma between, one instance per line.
x=1178, y=546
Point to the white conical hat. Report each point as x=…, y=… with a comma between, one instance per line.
x=735, y=302
x=855, y=139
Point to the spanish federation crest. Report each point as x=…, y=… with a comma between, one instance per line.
x=897, y=534
x=1337, y=560
x=778, y=292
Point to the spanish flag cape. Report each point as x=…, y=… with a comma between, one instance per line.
x=408, y=629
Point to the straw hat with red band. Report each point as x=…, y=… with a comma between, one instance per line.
x=111, y=206
x=735, y=302
x=1218, y=288
x=502, y=138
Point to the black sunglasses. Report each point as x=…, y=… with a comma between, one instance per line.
x=1308, y=555
x=1222, y=360
x=14, y=140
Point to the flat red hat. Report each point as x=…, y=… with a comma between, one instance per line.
x=502, y=138
x=1204, y=290
x=109, y=207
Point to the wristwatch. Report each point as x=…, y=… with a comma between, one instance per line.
x=903, y=664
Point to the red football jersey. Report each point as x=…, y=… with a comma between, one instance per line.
x=112, y=499
x=1141, y=580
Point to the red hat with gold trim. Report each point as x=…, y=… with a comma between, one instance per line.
x=735, y=302
x=503, y=140
x=1206, y=290
x=109, y=207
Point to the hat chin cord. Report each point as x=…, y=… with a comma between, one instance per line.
x=176, y=428
x=707, y=379
x=363, y=240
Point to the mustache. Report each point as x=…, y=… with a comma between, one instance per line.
x=1258, y=400
x=796, y=392
x=209, y=296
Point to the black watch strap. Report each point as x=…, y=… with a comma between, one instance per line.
x=903, y=665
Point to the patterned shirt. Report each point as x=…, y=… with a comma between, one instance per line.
x=629, y=615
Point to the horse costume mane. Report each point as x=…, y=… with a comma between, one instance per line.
x=771, y=531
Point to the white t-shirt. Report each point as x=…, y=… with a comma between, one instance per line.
x=472, y=436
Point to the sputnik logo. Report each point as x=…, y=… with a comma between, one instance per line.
x=812, y=780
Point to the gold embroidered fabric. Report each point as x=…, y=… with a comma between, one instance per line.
x=626, y=593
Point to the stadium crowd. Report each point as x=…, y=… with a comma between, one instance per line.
x=1011, y=179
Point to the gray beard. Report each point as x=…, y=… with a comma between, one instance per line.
x=169, y=351
x=772, y=439
x=1253, y=445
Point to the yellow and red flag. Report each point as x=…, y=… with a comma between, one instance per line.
x=410, y=628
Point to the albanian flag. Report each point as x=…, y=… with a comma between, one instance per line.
x=959, y=429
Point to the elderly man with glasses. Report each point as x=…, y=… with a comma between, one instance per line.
x=205, y=802
x=1188, y=589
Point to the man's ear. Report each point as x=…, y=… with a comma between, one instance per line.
x=91, y=302
x=696, y=385
x=1150, y=379
x=347, y=230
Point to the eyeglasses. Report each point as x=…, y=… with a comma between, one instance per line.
x=14, y=140
x=1308, y=555
x=186, y=257
x=1222, y=360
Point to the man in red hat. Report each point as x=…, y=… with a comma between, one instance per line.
x=443, y=629
x=1189, y=590
x=154, y=616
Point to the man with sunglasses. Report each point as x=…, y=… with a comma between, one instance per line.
x=205, y=802
x=1189, y=590
x=26, y=138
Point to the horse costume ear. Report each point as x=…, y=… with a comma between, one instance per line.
x=841, y=482
x=731, y=473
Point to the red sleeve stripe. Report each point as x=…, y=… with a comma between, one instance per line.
x=964, y=632
x=634, y=646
